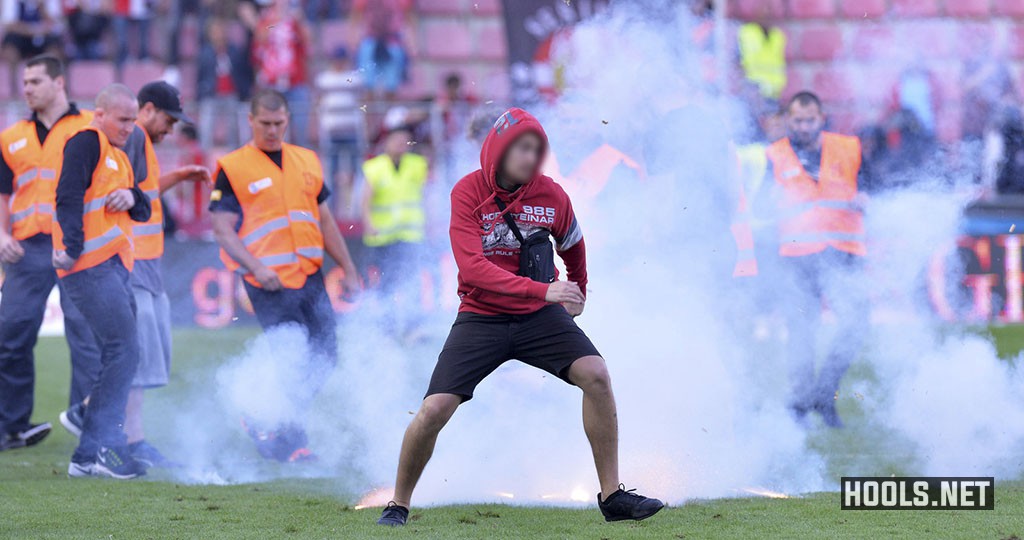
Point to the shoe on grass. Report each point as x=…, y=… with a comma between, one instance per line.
x=30, y=437
x=623, y=505
x=108, y=463
x=393, y=515
x=148, y=456
x=73, y=419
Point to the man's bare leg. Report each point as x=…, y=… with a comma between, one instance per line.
x=418, y=444
x=600, y=419
x=133, y=416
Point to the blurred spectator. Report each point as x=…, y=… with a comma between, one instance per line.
x=222, y=84
x=317, y=10
x=341, y=121
x=88, y=21
x=31, y=28
x=187, y=201
x=1009, y=178
x=280, y=49
x=456, y=107
x=987, y=84
x=381, y=54
x=177, y=13
x=131, y=17
x=917, y=91
x=763, y=57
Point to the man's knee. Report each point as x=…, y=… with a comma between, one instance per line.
x=590, y=373
x=436, y=410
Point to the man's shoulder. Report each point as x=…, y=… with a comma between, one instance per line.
x=16, y=130
x=548, y=188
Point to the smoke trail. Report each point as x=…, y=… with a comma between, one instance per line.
x=701, y=397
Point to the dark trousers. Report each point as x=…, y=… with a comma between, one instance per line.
x=833, y=278
x=310, y=309
x=27, y=284
x=103, y=294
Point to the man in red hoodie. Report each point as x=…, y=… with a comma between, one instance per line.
x=505, y=315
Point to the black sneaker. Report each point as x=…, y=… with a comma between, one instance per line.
x=110, y=463
x=73, y=419
x=623, y=505
x=30, y=437
x=148, y=456
x=393, y=515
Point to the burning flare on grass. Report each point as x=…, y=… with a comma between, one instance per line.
x=376, y=498
x=762, y=492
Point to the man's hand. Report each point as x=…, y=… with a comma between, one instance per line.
x=10, y=249
x=267, y=279
x=120, y=200
x=574, y=309
x=350, y=286
x=564, y=292
x=62, y=261
x=195, y=173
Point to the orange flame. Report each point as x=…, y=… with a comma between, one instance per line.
x=765, y=493
x=376, y=498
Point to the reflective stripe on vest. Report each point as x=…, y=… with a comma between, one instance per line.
x=263, y=230
x=101, y=241
x=95, y=204
x=146, y=229
x=24, y=178
x=44, y=208
x=152, y=193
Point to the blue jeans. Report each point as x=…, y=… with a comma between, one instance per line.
x=27, y=284
x=310, y=309
x=104, y=295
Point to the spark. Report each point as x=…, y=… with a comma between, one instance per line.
x=1013, y=226
x=605, y=122
x=506, y=495
x=363, y=107
x=376, y=498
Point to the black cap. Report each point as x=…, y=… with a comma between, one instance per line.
x=164, y=97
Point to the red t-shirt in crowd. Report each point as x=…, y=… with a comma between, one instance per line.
x=486, y=250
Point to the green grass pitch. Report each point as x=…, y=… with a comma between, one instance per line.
x=38, y=500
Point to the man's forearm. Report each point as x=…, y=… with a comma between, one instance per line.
x=5, y=214
x=232, y=243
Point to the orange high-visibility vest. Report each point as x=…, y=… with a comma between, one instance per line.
x=823, y=213
x=149, y=236
x=280, y=213
x=36, y=168
x=107, y=234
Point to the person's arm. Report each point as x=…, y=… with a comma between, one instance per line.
x=81, y=155
x=135, y=148
x=569, y=243
x=195, y=173
x=475, y=270
x=10, y=249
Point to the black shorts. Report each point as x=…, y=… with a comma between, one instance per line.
x=547, y=339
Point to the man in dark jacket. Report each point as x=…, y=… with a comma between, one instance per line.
x=505, y=315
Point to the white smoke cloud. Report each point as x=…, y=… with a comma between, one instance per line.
x=701, y=398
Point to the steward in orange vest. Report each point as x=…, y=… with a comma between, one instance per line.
x=159, y=110
x=97, y=203
x=270, y=217
x=32, y=153
x=813, y=177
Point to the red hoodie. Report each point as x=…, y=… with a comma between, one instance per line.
x=486, y=250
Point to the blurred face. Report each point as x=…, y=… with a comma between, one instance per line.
x=215, y=33
x=40, y=89
x=117, y=120
x=397, y=143
x=804, y=124
x=156, y=122
x=268, y=128
x=522, y=159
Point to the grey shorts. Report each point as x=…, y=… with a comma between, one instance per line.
x=153, y=317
